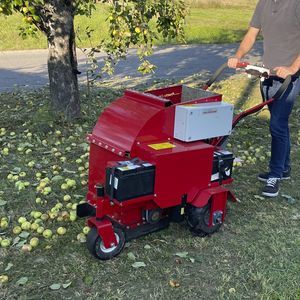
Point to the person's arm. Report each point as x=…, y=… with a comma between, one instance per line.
x=245, y=46
x=284, y=72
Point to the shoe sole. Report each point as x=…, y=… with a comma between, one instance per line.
x=270, y=195
x=265, y=180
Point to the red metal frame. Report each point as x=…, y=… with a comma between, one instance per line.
x=127, y=129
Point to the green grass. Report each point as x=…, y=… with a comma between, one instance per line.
x=254, y=256
x=203, y=25
x=221, y=3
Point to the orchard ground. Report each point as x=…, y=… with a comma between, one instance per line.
x=255, y=255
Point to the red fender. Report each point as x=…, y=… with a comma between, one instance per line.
x=105, y=230
x=218, y=196
x=203, y=196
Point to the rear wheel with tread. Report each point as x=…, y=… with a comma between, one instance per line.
x=198, y=220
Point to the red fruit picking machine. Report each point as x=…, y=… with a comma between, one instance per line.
x=156, y=158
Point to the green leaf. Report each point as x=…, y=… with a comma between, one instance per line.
x=24, y=234
x=138, y=264
x=182, y=254
x=70, y=172
x=57, y=178
x=16, y=170
x=88, y=280
x=20, y=244
x=22, y=281
x=16, y=240
x=2, y=202
x=55, y=286
x=8, y=267
x=131, y=256
x=66, y=285
x=289, y=198
x=147, y=247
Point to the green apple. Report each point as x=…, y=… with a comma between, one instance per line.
x=53, y=215
x=40, y=230
x=64, y=186
x=69, y=205
x=5, y=243
x=3, y=224
x=17, y=229
x=81, y=238
x=34, y=226
x=47, y=234
x=26, y=225
x=44, y=217
x=61, y=230
x=71, y=183
x=34, y=242
x=3, y=278
x=73, y=217
x=67, y=198
x=59, y=205
x=38, y=200
x=59, y=219
x=21, y=220
x=37, y=214
x=31, y=164
x=86, y=230
x=47, y=190
x=5, y=151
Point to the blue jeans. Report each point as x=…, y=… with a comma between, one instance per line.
x=280, y=111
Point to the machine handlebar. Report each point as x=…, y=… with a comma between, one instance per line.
x=251, y=70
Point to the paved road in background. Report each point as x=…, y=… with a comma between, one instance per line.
x=28, y=69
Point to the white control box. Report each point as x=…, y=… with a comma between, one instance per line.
x=194, y=122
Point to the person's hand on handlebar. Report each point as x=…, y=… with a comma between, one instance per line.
x=233, y=62
x=284, y=72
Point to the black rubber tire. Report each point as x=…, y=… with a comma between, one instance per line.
x=198, y=218
x=96, y=248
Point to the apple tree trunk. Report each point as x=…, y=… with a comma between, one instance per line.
x=62, y=60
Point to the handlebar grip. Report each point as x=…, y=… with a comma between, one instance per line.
x=242, y=64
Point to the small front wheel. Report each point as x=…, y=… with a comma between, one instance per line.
x=97, y=248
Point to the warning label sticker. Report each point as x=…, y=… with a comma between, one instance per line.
x=161, y=146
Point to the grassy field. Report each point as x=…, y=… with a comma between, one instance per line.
x=254, y=256
x=221, y=3
x=208, y=22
